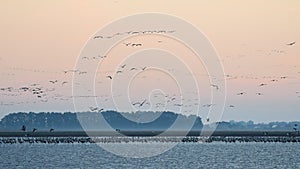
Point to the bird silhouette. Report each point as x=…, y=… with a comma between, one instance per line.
x=140, y=104
x=259, y=94
x=53, y=81
x=136, y=44
x=34, y=129
x=95, y=109
x=51, y=130
x=81, y=73
x=215, y=86
x=263, y=84
x=231, y=105
x=241, y=93
x=178, y=105
x=24, y=89
x=127, y=44
x=97, y=37
x=64, y=83
x=23, y=128
x=102, y=56
x=207, y=105
x=132, y=44
x=173, y=98
x=109, y=77
x=290, y=44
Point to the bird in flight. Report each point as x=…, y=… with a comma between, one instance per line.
x=241, y=93
x=53, y=81
x=24, y=89
x=207, y=105
x=178, y=105
x=173, y=98
x=140, y=104
x=84, y=72
x=51, y=130
x=262, y=84
x=259, y=94
x=127, y=44
x=34, y=84
x=215, y=86
x=290, y=44
x=132, y=44
x=96, y=37
x=95, y=109
x=64, y=83
x=231, y=105
x=109, y=77
x=136, y=44
x=67, y=71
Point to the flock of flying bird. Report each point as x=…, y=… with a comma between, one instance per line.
x=41, y=92
x=135, y=33
x=123, y=69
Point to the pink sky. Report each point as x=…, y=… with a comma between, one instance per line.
x=40, y=39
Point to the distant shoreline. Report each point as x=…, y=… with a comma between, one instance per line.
x=150, y=133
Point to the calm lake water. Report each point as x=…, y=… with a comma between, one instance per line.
x=185, y=155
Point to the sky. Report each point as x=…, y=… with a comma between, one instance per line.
x=42, y=39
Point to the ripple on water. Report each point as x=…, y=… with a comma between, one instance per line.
x=188, y=155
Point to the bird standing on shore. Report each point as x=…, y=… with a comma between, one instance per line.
x=23, y=128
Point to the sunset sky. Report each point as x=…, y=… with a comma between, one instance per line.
x=41, y=39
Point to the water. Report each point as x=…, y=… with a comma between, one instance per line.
x=184, y=155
